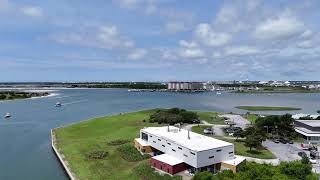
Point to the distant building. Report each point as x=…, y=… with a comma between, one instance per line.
x=183, y=86
x=309, y=129
x=176, y=150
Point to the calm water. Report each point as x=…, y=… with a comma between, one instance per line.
x=25, y=151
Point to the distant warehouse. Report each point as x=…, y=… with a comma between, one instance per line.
x=185, y=86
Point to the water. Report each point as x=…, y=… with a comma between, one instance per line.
x=25, y=151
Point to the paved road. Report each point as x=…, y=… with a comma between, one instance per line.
x=237, y=119
x=285, y=152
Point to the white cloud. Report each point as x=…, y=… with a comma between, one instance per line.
x=192, y=53
x=241, y=51
x=307, y=34
x=175, y=27
x=129, y=3
x=32, y=11
x=107, y=37
x=187, y=44
x=282, y=27
x=207, y=36
x=226, y=14
x=137, y=54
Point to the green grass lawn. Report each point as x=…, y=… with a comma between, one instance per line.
x=199, y=129
x=210, y=117
x=240, y=148
x=267, y=108
x=251, y=117
x=77, y=140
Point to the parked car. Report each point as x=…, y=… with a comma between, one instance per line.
x=290, y=141
x=196, y=121
x=276, y=140
x=302, y=154
x=208, y=131
x=283, y=141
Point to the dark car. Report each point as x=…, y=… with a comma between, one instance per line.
x=276, y=140
x=290, y=141
x=196, y=121
x=283, y=141
x=302, y=154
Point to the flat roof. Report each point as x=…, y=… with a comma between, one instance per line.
x=197, y=142
x=142, y=142
x=312, y=123
x=307, y=132
x=235, y=161
x=168, y=159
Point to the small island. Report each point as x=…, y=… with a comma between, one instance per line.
x=11, y=95
x=267, y=108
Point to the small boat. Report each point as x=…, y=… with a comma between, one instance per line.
x=58, y=104
x=218, y=93
x=7, y=115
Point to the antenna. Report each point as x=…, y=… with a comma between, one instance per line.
x=188, y=134
x=168, y=128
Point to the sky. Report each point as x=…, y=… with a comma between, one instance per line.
x=159, y=40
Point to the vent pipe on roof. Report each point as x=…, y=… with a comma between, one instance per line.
x=188, y=134
x=168, y=128
x=179, y=127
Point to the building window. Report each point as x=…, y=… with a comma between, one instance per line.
x=159, y=139
x=144, y=136
x=163, y=145
x=230, y=152
x=192, y=153
x=180, y=148
x=211, y=157
x=174, y=150
x=169, y=143
x=218, y=150
x=185, y=155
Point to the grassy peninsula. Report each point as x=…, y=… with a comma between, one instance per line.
x=267, y=108
x=11, y=95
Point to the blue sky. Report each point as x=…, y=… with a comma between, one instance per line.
x=159, y=40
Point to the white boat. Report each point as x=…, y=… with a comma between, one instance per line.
x=218, y=93
x=58, y=104
x=7, y=115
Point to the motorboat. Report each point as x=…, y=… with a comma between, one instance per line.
x=58, y=104
x=7, y=115
x=218, y=93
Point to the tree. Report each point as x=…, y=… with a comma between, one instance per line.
x=254, y=137
x=305, y=160
x=296, y=169
x=205, y=175
x=318, y=111
x=239, y=134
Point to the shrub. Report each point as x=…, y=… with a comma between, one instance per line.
x=130, y=153
x=96, y=155
x=117, y=142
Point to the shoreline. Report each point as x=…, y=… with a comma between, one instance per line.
x=60, y=157
x=31, y=98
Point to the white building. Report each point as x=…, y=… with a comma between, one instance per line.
x=182, y=86
x=309, y=129
x=181, y=149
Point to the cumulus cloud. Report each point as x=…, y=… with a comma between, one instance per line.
x=282, y=27
x=106, y=36
x=137, y=54
x=206, y=35
x=241, y=51
x=187, y=44
x=32, y=11
x=192, y=53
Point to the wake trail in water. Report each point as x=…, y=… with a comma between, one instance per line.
x=75, y=102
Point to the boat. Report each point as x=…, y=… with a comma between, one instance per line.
x=58, y=104
x=7, y=115
x=218, y=93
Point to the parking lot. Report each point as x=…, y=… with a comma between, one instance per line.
x=237, y=119
x=285, y=152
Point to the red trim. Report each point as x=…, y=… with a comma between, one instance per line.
x=168, y=168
